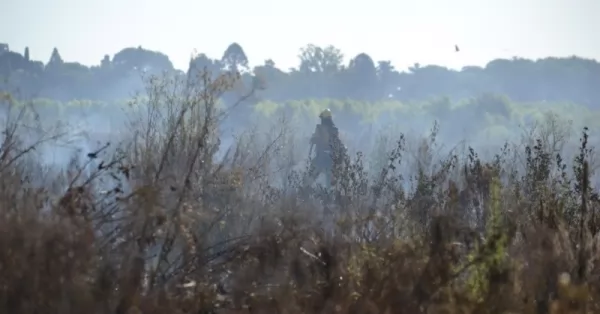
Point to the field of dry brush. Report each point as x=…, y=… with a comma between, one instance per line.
x=159, y=226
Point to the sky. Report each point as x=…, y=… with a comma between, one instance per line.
x=404, y=32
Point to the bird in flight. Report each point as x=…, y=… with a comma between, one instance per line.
x=456, y=48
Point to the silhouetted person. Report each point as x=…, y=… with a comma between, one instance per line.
x=326, y=141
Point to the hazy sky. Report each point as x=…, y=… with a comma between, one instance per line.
x=404, y=32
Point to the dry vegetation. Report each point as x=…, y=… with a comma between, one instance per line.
x=158, y=226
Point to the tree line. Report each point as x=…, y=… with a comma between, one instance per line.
x=321, y=73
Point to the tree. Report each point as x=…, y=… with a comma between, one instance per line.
x=10, y=62
x=269, y=76
x=55, y=58
x=201, y=62
x=388, y=78
x=362, y=76
x=321, y=60
x=364, y=66
x=234, y=58
x=105, y=63
x=143, y=60
x=514, y=76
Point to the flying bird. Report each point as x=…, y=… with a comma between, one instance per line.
x=456, y=48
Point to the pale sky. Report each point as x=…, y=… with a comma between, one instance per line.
x=404, y=32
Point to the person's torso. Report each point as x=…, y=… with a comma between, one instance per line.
x=326, y=137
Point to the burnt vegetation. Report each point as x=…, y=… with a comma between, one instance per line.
x=157, y=224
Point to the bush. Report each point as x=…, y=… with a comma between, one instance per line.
x=159, y=225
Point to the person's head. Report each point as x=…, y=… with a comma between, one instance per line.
x=326, y=116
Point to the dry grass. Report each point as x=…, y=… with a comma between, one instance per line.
x=159, y=227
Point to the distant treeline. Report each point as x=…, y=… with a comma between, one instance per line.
x=472, y=114
x=322, y=73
